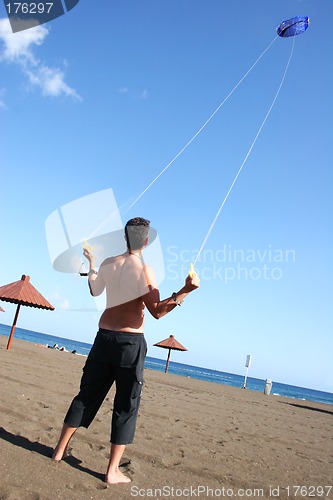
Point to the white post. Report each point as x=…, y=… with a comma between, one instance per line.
x=247, y=364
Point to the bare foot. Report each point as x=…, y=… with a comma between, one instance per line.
x=116, y=477
x=57, y=456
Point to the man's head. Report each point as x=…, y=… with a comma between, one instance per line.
x=136, y=233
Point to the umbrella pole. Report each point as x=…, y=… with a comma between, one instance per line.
x=167, y=363
x=13, y=327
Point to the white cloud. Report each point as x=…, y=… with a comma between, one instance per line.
x=18, y=48
x=18, y=45
x=51, y=81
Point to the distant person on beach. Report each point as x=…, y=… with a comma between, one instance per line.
x=119, y=349
x=54, y=346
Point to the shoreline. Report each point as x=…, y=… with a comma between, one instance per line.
x=190, y=433
x=279, y=389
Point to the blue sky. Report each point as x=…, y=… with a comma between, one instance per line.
x=105, y=98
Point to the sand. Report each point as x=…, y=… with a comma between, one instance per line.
x=194, y=439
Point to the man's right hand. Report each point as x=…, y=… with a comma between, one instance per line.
x=191, y=283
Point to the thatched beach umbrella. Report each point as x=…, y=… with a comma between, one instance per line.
x=22, y=293
x=170, y=343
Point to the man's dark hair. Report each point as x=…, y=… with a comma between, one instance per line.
x=136, y=233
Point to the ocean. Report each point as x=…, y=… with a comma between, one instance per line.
x=196, y=372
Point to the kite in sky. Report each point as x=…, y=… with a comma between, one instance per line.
x=294, y=26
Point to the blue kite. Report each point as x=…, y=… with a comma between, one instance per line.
x=293, y=26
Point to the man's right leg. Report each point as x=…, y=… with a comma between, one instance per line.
x=95, y=384
x=65, y=437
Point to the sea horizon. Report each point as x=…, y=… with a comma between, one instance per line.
x=181, y=369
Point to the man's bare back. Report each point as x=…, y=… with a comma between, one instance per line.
x=126, y=280
x=130, y=287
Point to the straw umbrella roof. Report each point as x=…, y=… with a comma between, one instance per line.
x=22, y=293
x=171, y=344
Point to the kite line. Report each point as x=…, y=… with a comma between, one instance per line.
x=203, y=126
x=247, y=155
x=288, y=28
x=191, y=140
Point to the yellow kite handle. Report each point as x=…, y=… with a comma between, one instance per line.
x=86, y=245
x=192, y=273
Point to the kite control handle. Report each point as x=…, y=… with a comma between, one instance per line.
x=86, y=245
x=192, y=274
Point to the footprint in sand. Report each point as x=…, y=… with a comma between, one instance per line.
x=101, y=486
x=42, y=405
x=129, y=468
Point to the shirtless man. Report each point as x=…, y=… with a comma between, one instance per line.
x=119, y=348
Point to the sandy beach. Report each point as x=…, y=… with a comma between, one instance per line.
x=194, y=439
